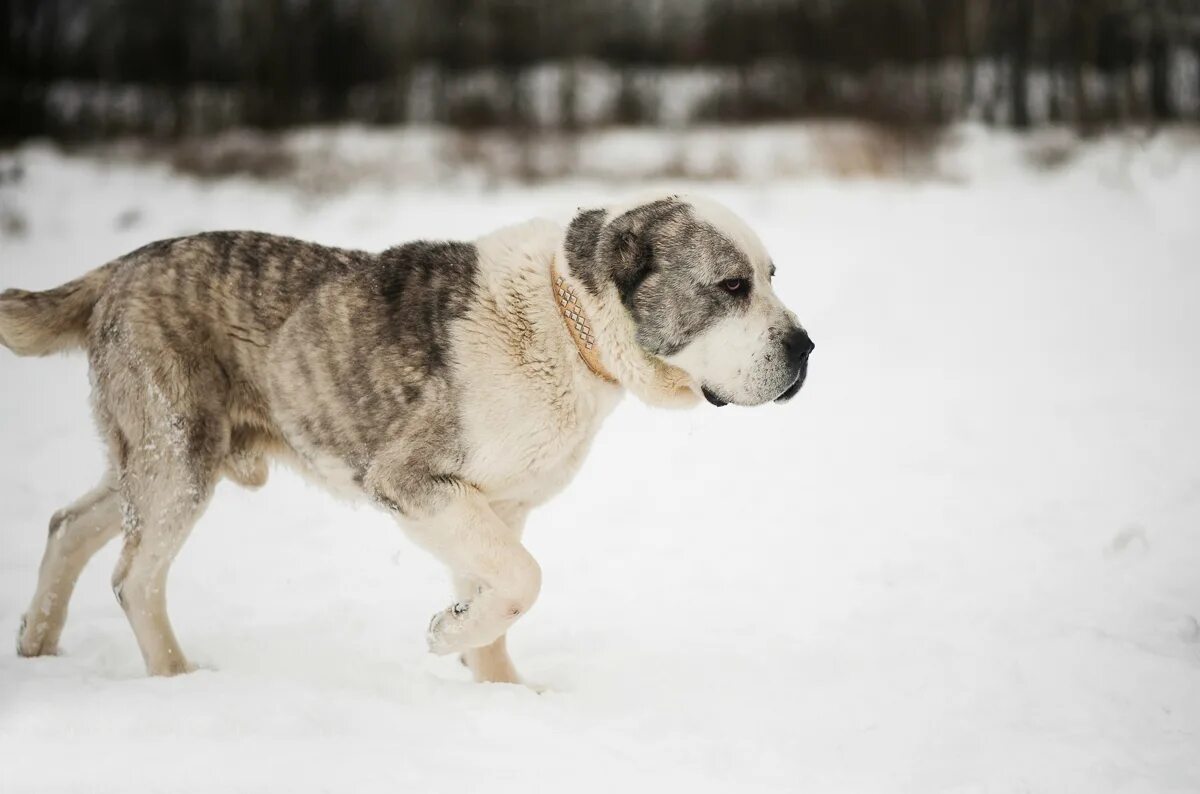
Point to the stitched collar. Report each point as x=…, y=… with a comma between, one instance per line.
x=578, y=325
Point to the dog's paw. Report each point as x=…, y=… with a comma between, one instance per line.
x=446, y=630
x=171, y=668
x=32, y=639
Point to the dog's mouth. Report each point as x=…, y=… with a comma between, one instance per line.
x=711, y=397
x=787, y=394
x=792, y=390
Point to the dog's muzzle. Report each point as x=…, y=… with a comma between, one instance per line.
x=798, y=347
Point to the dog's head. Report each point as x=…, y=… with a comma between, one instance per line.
x=696, y=283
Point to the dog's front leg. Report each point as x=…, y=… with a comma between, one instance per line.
x=491, y=663
x=501, y=580
x=488, y=663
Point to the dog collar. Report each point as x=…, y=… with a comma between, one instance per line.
x=578, y=325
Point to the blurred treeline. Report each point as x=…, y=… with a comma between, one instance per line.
x=95, y=68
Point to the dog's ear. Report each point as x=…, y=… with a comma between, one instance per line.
x=632, y=255
x=620, y=250
x=580, y=245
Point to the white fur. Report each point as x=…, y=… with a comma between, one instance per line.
x=529, y=426
x=734, y=228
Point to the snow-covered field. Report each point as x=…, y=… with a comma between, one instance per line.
x=965, y=559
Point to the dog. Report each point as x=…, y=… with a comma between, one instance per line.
x=456, y=385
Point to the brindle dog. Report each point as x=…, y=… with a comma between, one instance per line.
x=456, y=385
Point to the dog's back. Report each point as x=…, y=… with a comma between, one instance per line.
x=202, y=287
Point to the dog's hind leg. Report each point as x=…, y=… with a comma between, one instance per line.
x=165, y=485
x=77, y=532
x=168, y=408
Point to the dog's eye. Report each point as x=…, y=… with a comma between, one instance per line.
x=736, y=286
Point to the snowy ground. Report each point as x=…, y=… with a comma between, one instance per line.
x=965, y=559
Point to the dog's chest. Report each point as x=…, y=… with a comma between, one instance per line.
x=528, y=449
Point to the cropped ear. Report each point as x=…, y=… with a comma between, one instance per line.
x=580, y=244
x=621, y=250
x=634, y=234
x=632, y=261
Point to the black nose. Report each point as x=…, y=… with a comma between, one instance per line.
x=798, y=346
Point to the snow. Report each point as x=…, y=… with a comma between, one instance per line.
x=964, y=559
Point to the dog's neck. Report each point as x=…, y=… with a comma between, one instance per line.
x=606, y=338
x=578, y=326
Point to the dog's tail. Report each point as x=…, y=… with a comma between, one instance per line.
x=41, y=323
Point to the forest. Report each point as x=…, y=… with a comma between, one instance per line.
x=93, y=69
